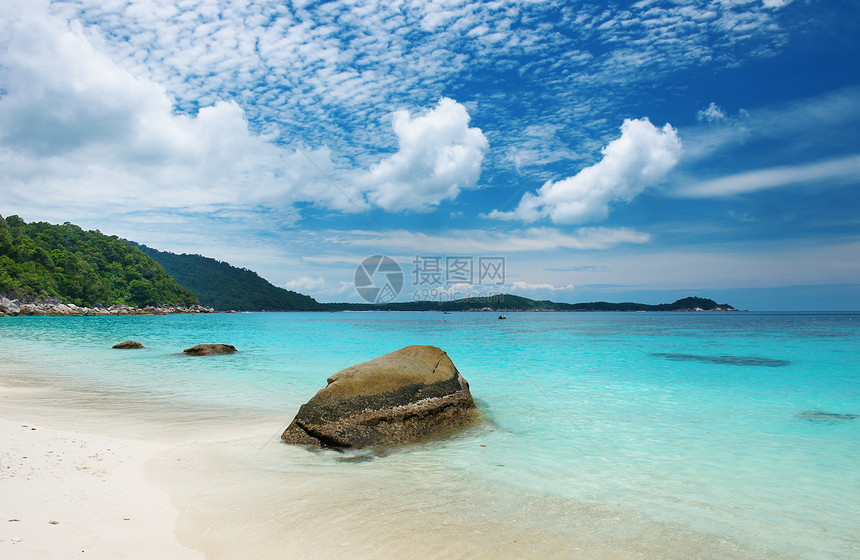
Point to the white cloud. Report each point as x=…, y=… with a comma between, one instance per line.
x=438, y=156
x=516, y=287
x=302, y=65
x=86, y=134
x=828, y=171
x=306, y=284
x=136, y=73
x=61, y=93
x=712, y=113
x=481, y=241
x=640, y=158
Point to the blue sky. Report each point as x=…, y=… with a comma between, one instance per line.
x=629, y=151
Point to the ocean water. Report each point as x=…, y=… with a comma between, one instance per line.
x=713, y=432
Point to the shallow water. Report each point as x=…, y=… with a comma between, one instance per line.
x=607, y=432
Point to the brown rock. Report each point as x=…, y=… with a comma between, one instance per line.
x=128, y=345
x=407, y=395
x=210, y=349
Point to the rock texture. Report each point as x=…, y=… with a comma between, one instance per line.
x=128, y=345
x=55, y=307
x=9, y=307
x=407, y=395
x=210, y=349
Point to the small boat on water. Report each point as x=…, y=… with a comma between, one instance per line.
x=502, y=317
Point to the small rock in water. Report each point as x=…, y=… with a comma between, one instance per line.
x=128, y=345
x=210, y=349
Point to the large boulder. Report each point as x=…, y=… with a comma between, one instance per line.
x=210, y=349
x=407, y=395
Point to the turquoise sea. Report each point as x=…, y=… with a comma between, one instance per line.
x=732, y=430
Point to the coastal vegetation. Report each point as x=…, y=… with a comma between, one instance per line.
x=223, y=287
x=86, y=268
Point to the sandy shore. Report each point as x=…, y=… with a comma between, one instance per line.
x=94, y=475
x=75, y=495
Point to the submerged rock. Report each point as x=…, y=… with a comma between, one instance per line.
x=407, y=395
x=726, y=360
x=128, y=345
x=825, y=417
x=210, y=349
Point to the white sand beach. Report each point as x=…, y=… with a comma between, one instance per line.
x=69, y=494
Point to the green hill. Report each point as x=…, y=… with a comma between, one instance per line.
x=222, y=286
x=87, y=268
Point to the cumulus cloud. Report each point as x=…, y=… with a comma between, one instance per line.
x=78, y=129
x=81, y=130
x=711, y=113
x=642, y=157
x=60, y=93
x=438, y=156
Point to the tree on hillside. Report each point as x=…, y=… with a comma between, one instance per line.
x=80, y=267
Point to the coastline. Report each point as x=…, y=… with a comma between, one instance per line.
x=504, y=303
x=224, y=488
x=57, y=308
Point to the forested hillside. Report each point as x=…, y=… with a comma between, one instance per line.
x=86, y=268
x=222, y=286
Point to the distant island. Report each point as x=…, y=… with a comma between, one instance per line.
x=510, y=303
x=64, y=263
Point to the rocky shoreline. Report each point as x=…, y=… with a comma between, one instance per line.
x=56, y=308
